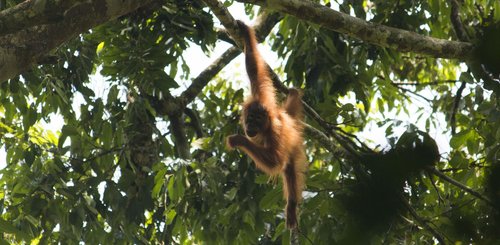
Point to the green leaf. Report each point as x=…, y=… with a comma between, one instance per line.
x=171, y=190
x=170, y=216
x=458, y=140
x=159, y=182
x=8, y=228
x=180, y=184
x=231, y=194
x=99, y=48
x=112, y=95
x=466, y=77
x=107, y=135
x=270, y=199
x=249, y=219
x=279, y=231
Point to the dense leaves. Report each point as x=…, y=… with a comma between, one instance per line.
x=98, y=147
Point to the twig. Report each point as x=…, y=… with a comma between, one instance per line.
x=424, y=84
x=423, y=222
x=473, y=164
x=456, y=102
x=411, y=92
x=440, y=199
x=456, y=207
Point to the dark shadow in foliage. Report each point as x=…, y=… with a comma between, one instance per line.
x=468, y=226
x=493, y=190
x=488, y=50
x=487, y=55
x=375, y=201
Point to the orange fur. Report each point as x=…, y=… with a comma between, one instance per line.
x=273, y=132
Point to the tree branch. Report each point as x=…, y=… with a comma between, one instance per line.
x=33, y=13
x=178, y=130
x=456, y=22
x=423, y=222
x=459, y=185
x=350, y=146
x=195, y=122
x=424, y=84
x=226, y=19
x=456, y=102
x=24, y=48
x=384, y=36
x=265, y=22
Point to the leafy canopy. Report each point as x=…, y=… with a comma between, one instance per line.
x=135, y=162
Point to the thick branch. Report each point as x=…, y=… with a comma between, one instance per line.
x=384, y=36
x=34, y=12
x=20, y=50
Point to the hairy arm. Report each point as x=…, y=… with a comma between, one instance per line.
x=267, y=159
x=260, y=81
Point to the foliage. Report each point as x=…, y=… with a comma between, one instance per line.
x=114, y=173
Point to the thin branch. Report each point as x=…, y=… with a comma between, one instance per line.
x=423, y=222
x=384, y=36
x=456, y=22
x=265, y=22
x=206, y=76
x=346, y=134
x=472, y=165
x=321, y=137
x=416, y=94
x=459, y=185
x=440, y=199
x=425, y=84
x=329, y=127
x=455, y=207
x=456, y=102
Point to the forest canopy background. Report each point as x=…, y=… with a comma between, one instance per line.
x=144, y=159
